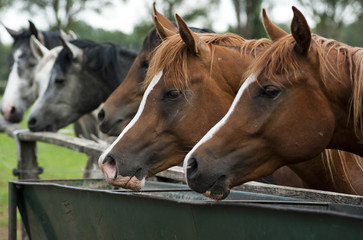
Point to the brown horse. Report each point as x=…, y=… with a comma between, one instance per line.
x=192, y=80
x=121, y=106
x=300, y=96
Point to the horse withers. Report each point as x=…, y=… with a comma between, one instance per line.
x=300, y=96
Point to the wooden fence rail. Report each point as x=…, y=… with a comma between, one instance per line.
x=28, y=165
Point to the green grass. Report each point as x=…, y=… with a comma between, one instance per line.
x=58, y=162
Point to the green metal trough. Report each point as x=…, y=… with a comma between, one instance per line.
x=90, y=209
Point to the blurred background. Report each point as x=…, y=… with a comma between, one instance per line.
x=126, y=22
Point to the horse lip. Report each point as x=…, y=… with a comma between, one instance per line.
x=218, y=190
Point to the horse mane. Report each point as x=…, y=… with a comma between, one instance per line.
x=152, y=39
x=279, y=59
x=51, y=40
x=344, y=157
x=173, y=53
x=100, y=58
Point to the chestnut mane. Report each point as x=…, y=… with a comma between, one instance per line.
x=173, y=53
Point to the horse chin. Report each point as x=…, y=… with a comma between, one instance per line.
x=219, y=190
x=132, y=183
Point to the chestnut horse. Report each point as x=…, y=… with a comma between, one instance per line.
x=121, y=106
x=192, y=80
x=297, y=100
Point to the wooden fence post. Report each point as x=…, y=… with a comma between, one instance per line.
x=27, y=164
x=27, y=158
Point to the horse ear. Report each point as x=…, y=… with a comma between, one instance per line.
x=34, y=31
x=300, y=31
x=164, y=27
x=189, y=37
x=38, y=49
x=75, y=51
x=67, y=36
x=72, y=35
x=273, y=31
x=14, y=34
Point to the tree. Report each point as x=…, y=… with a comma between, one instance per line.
x=62, y=13
x=332, y=16
x=250, y=10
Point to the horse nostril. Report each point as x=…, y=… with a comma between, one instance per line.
x=13, y=110
x=110, y=166
x=192, y=168
x=101, y=115
x=32, y=122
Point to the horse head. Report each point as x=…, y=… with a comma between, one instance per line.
x=82, y=77
x=191, y=81
x=20, y=93
x=286, y=111
x=121, y=106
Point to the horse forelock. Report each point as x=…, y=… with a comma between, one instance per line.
x=279, y=59
x=172, y=54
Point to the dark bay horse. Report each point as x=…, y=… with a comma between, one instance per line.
x=192, y=80
x=300, y=96
x=83, y=76
x=121, y=106
x=20, y=93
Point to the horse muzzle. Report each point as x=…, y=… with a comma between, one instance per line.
x=109, y=168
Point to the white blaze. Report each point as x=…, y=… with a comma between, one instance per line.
x=154, y=81
x=221, y=123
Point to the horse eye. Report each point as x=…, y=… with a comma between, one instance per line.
x=270, y=91
x=145, y=64
x=172, y=94
x=59, y=80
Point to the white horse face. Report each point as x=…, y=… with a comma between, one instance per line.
x=19, y=93
x=43, y=70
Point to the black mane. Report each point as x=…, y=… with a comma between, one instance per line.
x=102, y=59
x=51, y=40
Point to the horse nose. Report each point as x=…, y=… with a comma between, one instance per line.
x=192, y=169
x=13, y=110
x=101, y=116
x=32, y=122
x=108, y=167
x=11, y=114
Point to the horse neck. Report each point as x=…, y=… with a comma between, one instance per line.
x=332, y=170
x=110, y=75
x=344, y=90
x=126, y=59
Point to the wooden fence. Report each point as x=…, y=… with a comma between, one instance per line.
x=28, y=165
